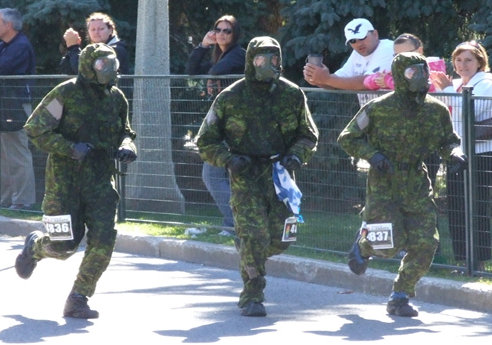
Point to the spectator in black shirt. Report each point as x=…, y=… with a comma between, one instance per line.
x=101, y=29
x=227, y=57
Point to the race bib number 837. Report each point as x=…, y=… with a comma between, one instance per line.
x=380, y=235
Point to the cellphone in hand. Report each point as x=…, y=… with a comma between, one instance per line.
x=315, y=59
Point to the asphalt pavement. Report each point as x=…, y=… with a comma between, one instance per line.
x=167, y=291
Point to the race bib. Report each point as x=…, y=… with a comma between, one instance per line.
x=290, y=230
x=380, y=235
x=59, y=228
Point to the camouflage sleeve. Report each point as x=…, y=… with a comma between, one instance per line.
x=210, y=138
x=129, y=135
x=307, y=134
x=449, y=138
x=128, y=132
x=353, y=138
x=42, y=124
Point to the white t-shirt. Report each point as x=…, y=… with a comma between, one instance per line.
x=482, y=87
x=379, y=61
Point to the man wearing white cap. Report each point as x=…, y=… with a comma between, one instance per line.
x=369, y=55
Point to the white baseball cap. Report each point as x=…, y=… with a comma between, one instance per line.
x=357, y=29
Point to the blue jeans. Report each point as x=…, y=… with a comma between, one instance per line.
x=216, y=179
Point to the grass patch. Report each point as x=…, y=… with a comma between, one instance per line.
x=20, y=214
x=313, y=238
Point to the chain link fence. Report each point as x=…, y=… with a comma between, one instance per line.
x=165, y=183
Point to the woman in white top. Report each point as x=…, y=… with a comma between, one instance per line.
x=471, y=63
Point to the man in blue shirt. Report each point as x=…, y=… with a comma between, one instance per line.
x=16, y=58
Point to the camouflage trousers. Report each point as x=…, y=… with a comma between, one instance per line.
x=95, y=209
x=414, y=231
x=259, y=220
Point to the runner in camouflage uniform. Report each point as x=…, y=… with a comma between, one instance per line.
x=83, y=125
x=395, y=133
x=259, y=117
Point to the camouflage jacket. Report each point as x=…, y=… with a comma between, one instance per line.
x=98, y=117
x=81, y=110
x=380, y=127
x=404, y=126
x=258, y=119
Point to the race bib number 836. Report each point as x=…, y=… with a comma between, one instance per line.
x=59, y=228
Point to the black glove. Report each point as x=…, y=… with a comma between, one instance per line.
x=381, y=163
x=238, y=164
x=291, y=162
x=458, y=163
x=80, y=150
x=125, y=155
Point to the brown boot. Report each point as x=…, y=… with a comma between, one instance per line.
x=76, y=307
x=401, y=307
x=253, y=309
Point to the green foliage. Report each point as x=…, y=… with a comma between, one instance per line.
x=482, y=23
x=302, y=26
x=317, y=26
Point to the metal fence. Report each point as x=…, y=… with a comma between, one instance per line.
x=165, y=183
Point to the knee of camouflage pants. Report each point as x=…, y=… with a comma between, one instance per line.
x=96, y=259
x=253, y=257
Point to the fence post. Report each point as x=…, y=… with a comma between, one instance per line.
x=121, y=169
x=468, y=119
x=146, y=190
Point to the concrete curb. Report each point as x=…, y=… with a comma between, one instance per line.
x=472, y=296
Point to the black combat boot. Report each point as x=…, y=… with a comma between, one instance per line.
x=400, y=307
x=356, y=262
x=76, y=307
x=25, y=263
x=253, y=309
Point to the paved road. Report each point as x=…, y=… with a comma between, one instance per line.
x=144, y=300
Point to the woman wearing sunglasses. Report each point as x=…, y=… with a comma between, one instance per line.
x=219, y=53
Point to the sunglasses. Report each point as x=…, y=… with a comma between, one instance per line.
x=355, y=40
x=226, y=31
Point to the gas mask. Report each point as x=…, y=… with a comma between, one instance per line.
x=267, y=66
x=106, y=68
x=417, y=77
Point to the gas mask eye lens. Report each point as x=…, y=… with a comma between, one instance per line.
x=415, y=71
x=417, y=76
x=106, y=68
x=106, y=63
x=266, y=66
x=260, y=60
x=99, y=64
x=275, y=60
x=409, y=73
